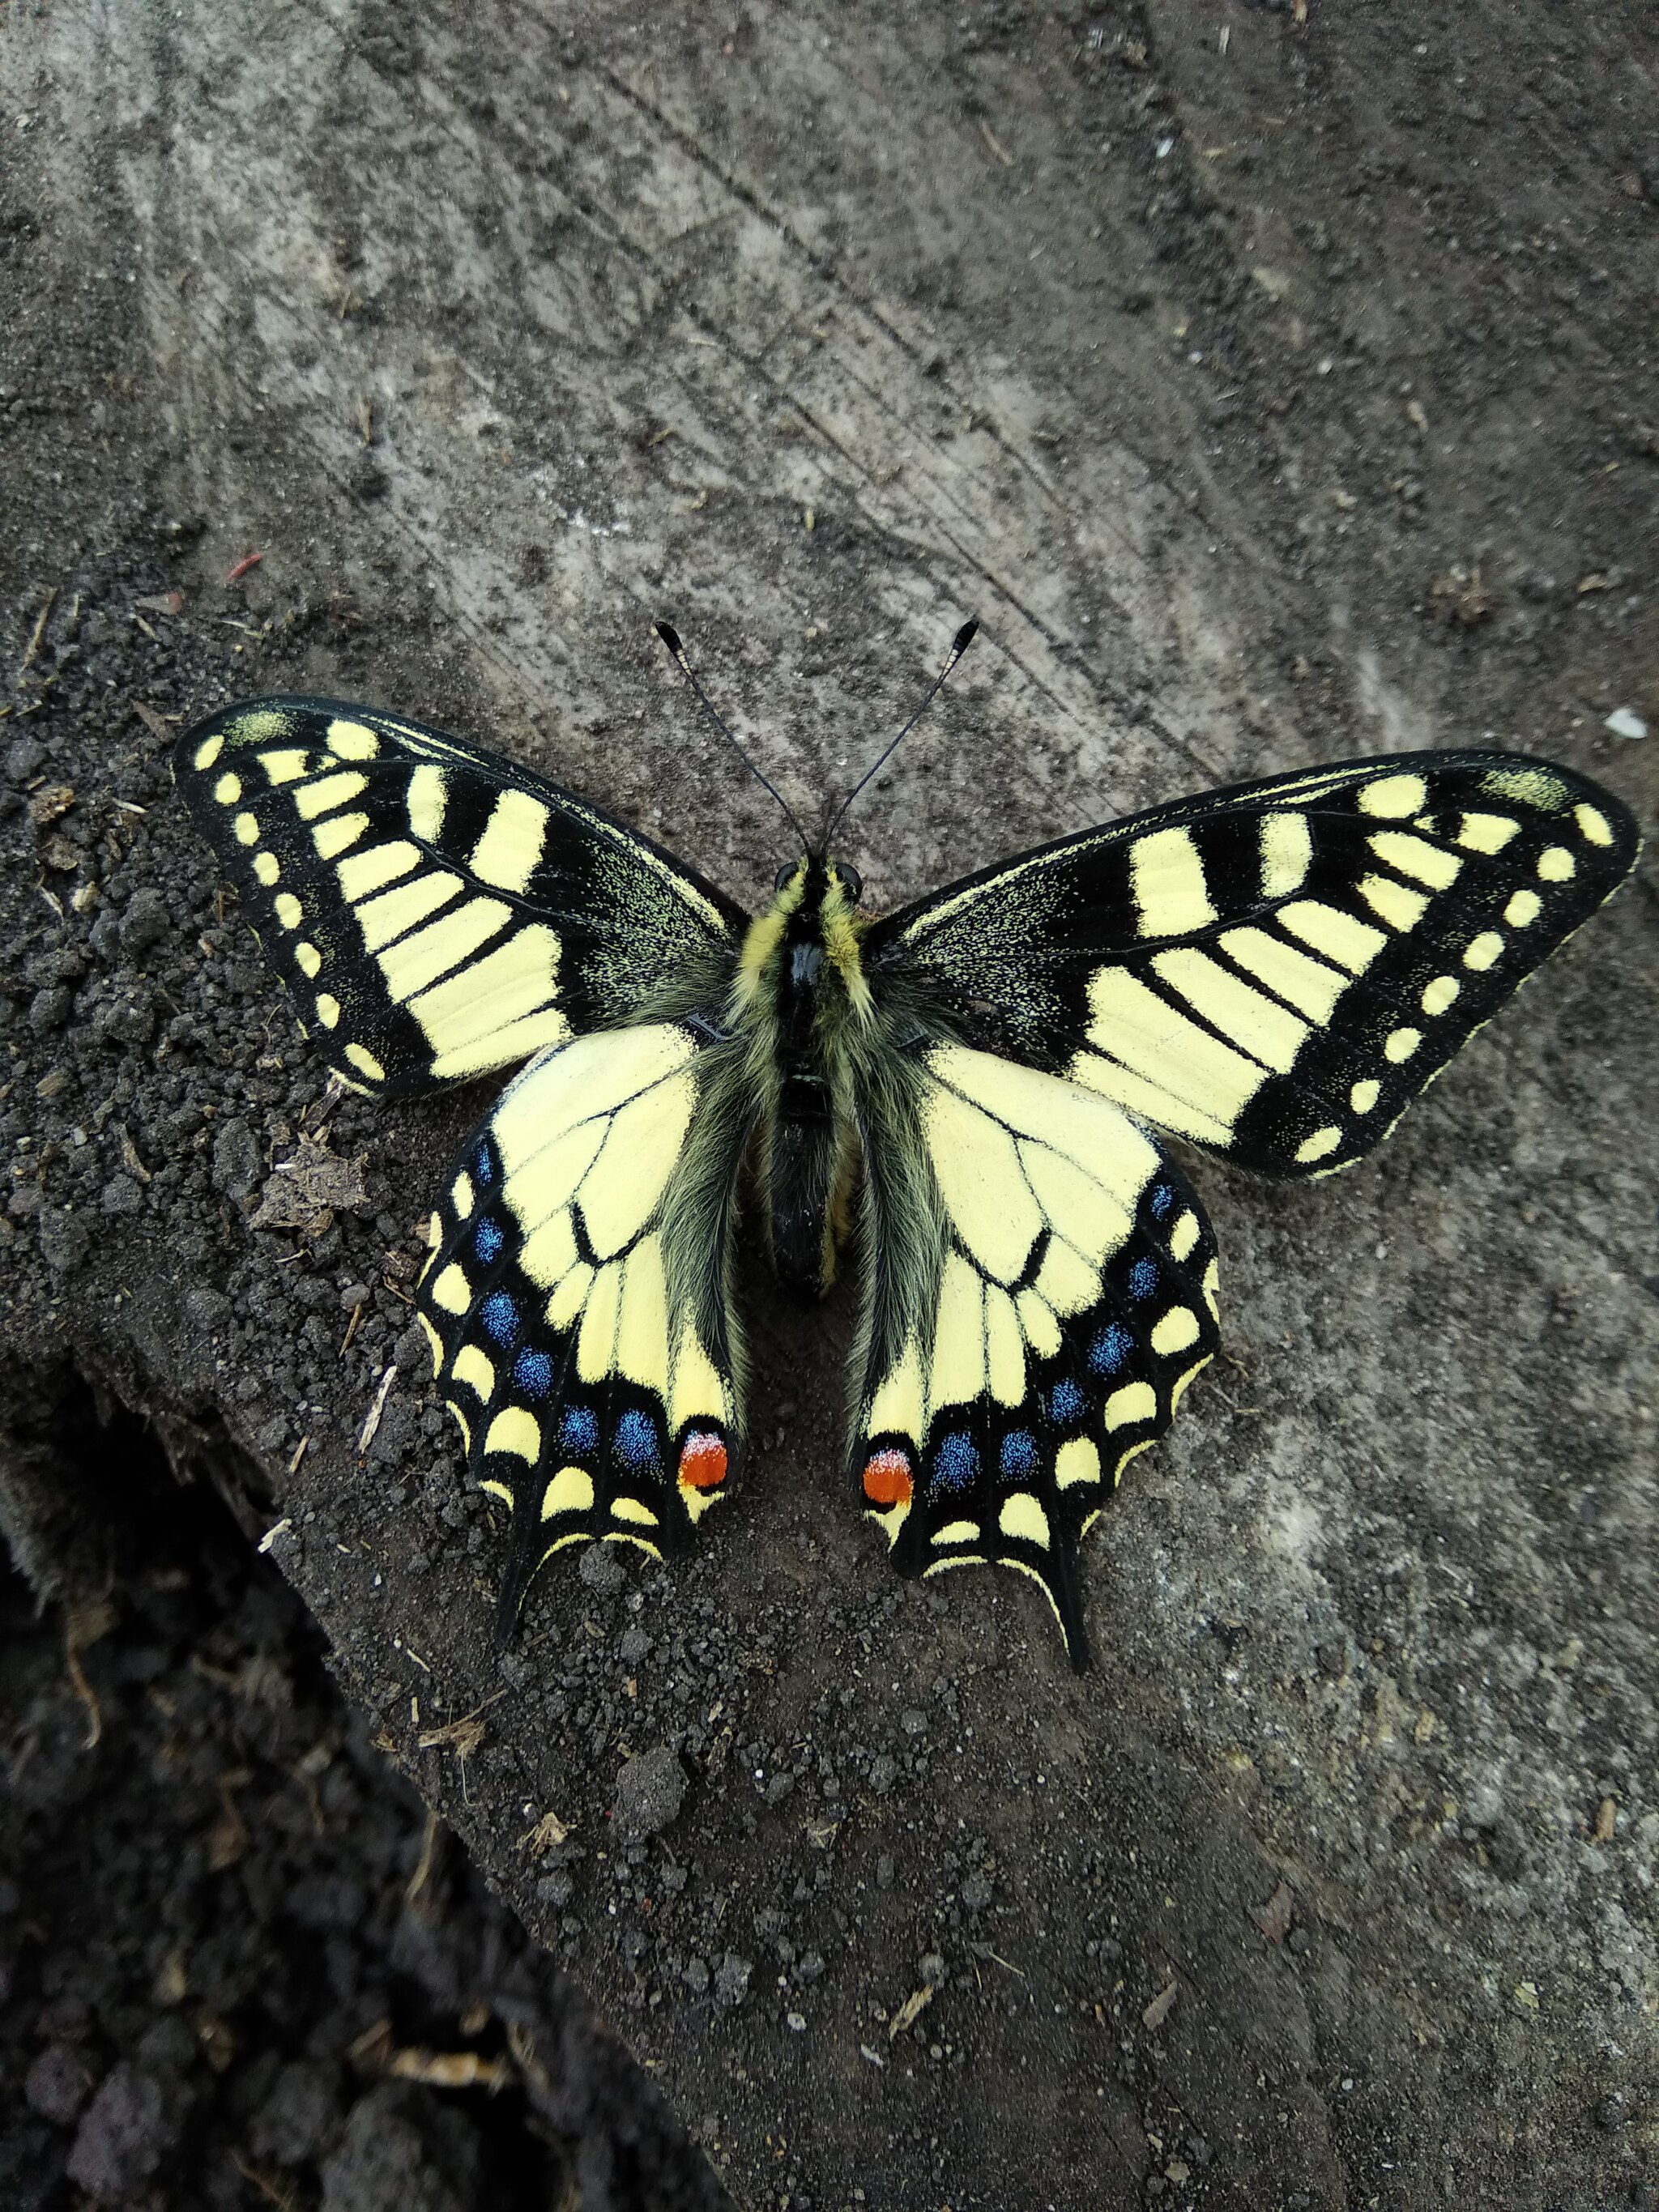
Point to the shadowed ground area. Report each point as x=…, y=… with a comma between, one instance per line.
x=1272, y=391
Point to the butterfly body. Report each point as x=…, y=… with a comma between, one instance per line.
x=962, y=1098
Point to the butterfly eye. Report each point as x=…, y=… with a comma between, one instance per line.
x=851, y=881
x=785, y=876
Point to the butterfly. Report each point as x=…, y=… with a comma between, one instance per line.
x=964, y=1100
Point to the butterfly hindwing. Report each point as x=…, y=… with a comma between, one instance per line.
x=576, y=1303
x=1024, y=1349
x=436, y=911
x=1276, y=970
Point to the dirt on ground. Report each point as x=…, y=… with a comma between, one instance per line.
x=1275, y=384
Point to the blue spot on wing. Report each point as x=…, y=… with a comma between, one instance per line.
x=533, y=1373
x=484, y=1164
x=636, y=1441
x=1109, y=1352
x=1066, y=1403
x=956, y=1462
x=1143, y=1278
x=1019, y=1455
x=500, y=1317
x=1163, y=1198
x=579, y=1432
x=488, y=1240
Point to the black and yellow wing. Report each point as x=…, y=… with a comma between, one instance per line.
x=1273, y=971
x=1044, y=1289
x=438, y=911
x=576, y=1295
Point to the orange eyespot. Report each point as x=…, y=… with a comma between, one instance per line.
x=703, y=1460
x=887, y=1479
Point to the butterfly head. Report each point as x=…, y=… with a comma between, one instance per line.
x=807, y=939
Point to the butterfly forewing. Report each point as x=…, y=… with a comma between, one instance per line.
x=1275, y=971
x=1066, y=1299
x=593, y=1384
x=436, y=911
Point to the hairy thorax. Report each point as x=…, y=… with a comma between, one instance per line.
x=800, y=999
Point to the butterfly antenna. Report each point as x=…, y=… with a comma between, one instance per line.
x=670, y=638
x=960, y=645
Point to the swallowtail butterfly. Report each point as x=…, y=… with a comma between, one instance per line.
x=964, y=1098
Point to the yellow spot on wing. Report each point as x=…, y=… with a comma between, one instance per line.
x=1523, y=909
x=1440, y=994
x=1332, y=933
x=1024, y=1518
x=352, y=741
x=1556, y=865
x=958, y=1532
x=1395, y=795
x=266, y=868
x=328, y=1010
x=312, y=801
x=1184, y=1236
x=286, y=765
x=338, y=835
x=510, y=849
x=247, y=829
x=461, y=1195
x=633, y=1509
x=1166, y=875
x=1286, y=854
x=1415, y=857
x=1399, y=907
x=372, y=871
x=228, y=790
x=1174, y=1332
x=1400, y=1044
x=451, y=1292
x=208, y=752
x=473, y=1368
x=289, y=910
x=517, y=1431
x=1594, y=824
x=1483, y=951
x=428, y=797
x=364, y=1062
x=1319, y=1147
x=1135, y=1402
x=571, y=1491
x=1077, y=1460
x=1486, y=833
x=308, y=959
x=1365, y=1095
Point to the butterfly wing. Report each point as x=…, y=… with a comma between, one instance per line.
x=437, y=911
x=1273, y=971
x=1041, y=1289
x=576, y=1294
